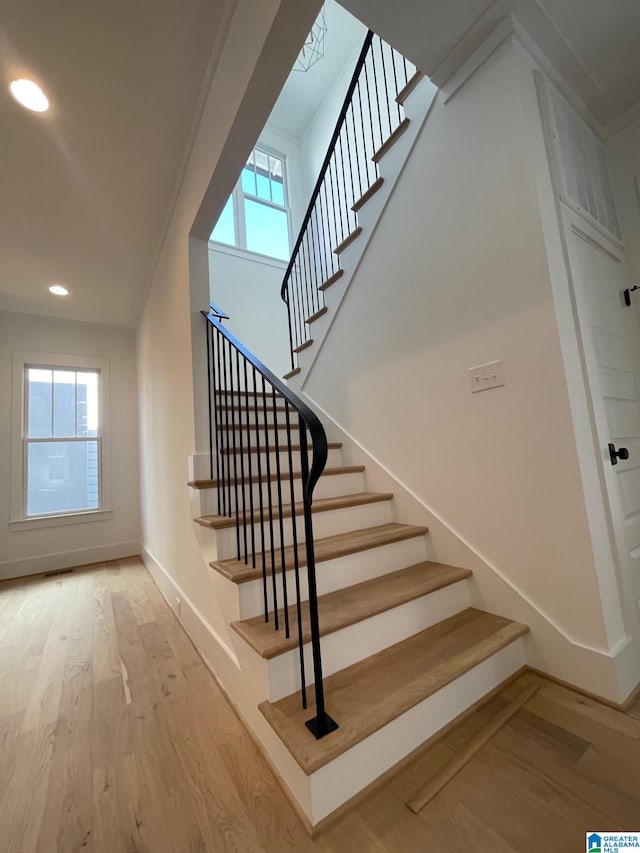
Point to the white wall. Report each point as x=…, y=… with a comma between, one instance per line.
x=27, y=551
x=257, y=52
x=315, y=140
x=457, y=276
x=248, y=289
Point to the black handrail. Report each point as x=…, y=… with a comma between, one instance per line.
x=371, y=113
x=325, y=163
x=240, y=384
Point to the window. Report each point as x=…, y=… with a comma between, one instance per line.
x=59, y=417
x=256, y=215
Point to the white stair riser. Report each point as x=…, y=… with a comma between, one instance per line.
x=356, y=642
x=356, y=768
x=335, y=485
x=338, y=573
x=246, y=438
x=238, y=398
x=324, y=524
x=244, y=416
x=334, y=460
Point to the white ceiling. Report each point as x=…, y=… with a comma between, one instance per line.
x=87, y=186
x=605, y=38
x=304, y=91
x=594, y=44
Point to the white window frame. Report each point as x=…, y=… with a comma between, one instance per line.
x=19, y=519
x=238, y=195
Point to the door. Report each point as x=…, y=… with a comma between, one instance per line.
x=610, y=335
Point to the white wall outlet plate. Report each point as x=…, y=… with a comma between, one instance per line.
x=485, y=376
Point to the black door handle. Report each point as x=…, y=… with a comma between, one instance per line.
x=614, y=454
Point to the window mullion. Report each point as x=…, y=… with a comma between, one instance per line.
x=240, y=217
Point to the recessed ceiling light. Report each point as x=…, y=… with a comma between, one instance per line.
x=30, y=95
x=59, y=290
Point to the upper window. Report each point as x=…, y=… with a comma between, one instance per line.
x=61, y=437
x=256, y=215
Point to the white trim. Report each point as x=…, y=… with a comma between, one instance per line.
x=503, y=29
x=246, y=255
x=67, y=559
x=76, y=362
x=165, y=582
x=60, y=519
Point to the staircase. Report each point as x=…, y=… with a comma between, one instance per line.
x=330, y=601
x=403, y=653
x=386, y=105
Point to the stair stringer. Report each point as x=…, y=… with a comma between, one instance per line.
x=417, y=107
x=549, y=648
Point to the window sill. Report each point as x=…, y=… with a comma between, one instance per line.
x=61, y=520
x=247, y=255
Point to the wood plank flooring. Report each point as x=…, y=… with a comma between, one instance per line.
x=115, y=737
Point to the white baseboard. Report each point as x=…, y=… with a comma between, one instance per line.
x=67, y=559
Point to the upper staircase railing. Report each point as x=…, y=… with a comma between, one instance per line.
x=262, y=438
x=371, y=114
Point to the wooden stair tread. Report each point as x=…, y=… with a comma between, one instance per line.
x=291, y=373
x=331, y=280
x=304, y=346
x=219, y=522
x=348, y=240
x=284, y=475
x=348, y=606
x=319, y=313
x=327, y=548
x=395, y=136
x=369, y=694
x=331, y=445
x=364, y=198
x=404, y=93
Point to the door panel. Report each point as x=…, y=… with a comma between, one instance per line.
x=610, y=335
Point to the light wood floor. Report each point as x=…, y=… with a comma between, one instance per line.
x=162, y=765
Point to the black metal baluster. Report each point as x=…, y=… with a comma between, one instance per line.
x=364, y=135
x=288, y=304
x=220, y=443
x=229, y=437
x=395, y=84
x=260, y=498
x=326, y=234
x=250, y=467
x=235, y=452
x=296, y=559
x=386, y=87
x=285, y=598
x=356, y=151
x=209, y=331
x=243, y=483
x=377, y=94
x=342, y=196
x=276, y=617
x=320, y=238
x=349, y=197
x=335, y=195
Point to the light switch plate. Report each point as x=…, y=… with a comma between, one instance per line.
x=485, y=376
